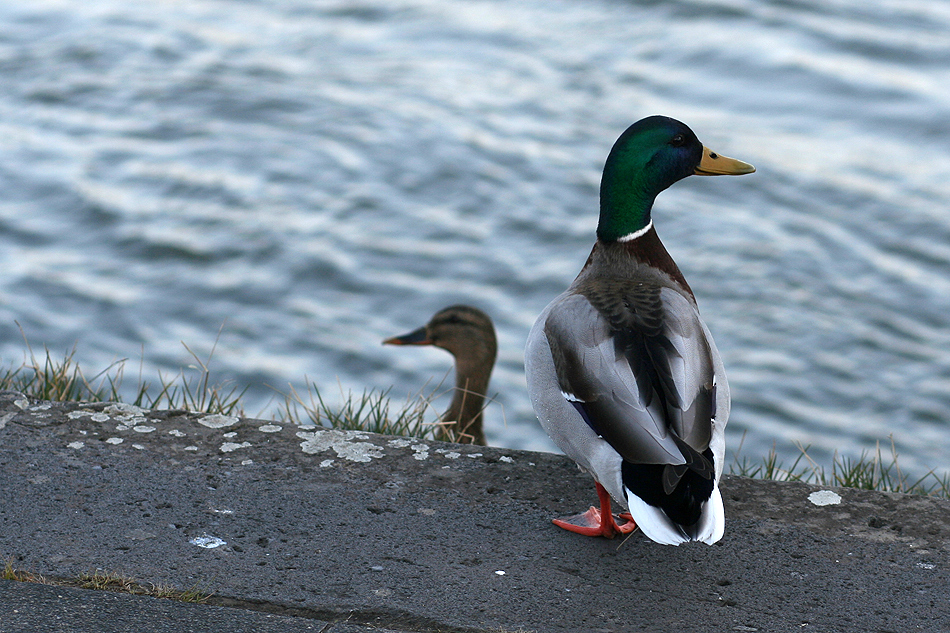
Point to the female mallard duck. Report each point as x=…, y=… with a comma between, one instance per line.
x=468, y=334
x=622, y=372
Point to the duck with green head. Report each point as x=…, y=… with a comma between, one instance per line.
x=622, y=372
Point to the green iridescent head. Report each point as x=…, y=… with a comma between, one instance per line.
x=649, y=156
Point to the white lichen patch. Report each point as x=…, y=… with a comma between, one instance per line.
x=207, y=541
x=451, y=455
x=400, y=443
x=327, y=463
x=22, y=403
x=229, y=447
x=75, y=415
x=76, y=445
x=506, y=459
x=270, y=428
x=114, y=440
x=341, y=442
x=230, y=435
x=41, y=407
x=99, y=417
x=177, y=433
x=474, y=455
x=143, y=429
x=191, y=448
x=218, y=421
x=138, y=447
x=247, y=462
x=926, y=566
x=122, y=427
x=824, y=498
x=125, y=410
x=421, y=452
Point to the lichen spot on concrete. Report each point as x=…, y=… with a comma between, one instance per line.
x=207, y=541
x=824, y=498
x=270, y=428
x=506, y=459
x=327, y=463
x=114, y=440
x=176, y=433
x=143, y=429
x=342, y=443
x=100, y=417
x=230, y=447
x=125, y=410
x=76, y=445
x=75, y=415
x=218, y=421
x=420, y=452
x=400, y=443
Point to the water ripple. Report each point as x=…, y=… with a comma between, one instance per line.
x=315, y=178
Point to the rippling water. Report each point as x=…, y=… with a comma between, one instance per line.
x=309, y=178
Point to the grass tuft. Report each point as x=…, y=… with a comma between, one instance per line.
x=11, y=573
x=63, y=381
x=370, y=411
x=871, y=471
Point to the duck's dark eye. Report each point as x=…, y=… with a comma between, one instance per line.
x=678, y=141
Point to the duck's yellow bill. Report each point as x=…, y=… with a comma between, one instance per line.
x=714, y=164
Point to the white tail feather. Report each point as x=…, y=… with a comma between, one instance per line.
x=659, y=528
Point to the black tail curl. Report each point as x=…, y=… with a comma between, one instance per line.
x=684, y=504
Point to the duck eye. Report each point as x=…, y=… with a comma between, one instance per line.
x=678, y=141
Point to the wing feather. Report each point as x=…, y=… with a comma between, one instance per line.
x=635, y=361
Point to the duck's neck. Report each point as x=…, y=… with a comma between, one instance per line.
x=626, y=200
x=464, y=416
x=643, y=249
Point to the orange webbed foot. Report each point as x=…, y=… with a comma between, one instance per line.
x=598, y=521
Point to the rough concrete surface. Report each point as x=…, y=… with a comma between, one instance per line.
x=345, y=532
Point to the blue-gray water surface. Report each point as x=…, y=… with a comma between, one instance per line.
x=301, y=179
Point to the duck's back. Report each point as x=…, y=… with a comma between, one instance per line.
x=626, y=380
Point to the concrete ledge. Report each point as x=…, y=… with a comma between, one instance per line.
x=342, y=532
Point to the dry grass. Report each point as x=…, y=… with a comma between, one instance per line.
x=109, y=581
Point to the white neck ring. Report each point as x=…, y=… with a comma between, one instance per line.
x=632, y=236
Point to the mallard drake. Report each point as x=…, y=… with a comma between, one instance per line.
x=468, y=334
x=622, y=372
